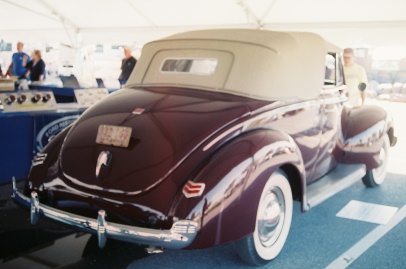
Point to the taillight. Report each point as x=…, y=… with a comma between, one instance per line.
x=39, y=158
x=193, y=189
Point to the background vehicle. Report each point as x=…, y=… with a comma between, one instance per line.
x=213, y=137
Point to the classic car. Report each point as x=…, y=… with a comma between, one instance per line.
x=215, y=135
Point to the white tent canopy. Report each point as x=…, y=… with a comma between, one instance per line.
x=81, y=22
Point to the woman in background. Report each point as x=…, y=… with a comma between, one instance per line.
x=35, y=67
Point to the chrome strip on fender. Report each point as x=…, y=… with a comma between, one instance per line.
x=365, y=138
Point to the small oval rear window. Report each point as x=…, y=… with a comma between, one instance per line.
x=193, y=66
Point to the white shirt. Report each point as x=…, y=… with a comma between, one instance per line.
x=354, y=75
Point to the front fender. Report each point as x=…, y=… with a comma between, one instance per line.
x=234, y=178
x=362, y=135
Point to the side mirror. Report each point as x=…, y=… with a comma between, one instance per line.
x=362, y=86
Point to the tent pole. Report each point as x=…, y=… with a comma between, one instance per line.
x=251, y=17
x=30, y=10
x=63, y=19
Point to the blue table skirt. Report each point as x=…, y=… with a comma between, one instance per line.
x=22, y=135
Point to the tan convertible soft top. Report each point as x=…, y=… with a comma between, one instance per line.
x=259, y=64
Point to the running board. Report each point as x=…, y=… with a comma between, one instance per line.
x=342, y=177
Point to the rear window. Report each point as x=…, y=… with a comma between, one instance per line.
x=193, y=66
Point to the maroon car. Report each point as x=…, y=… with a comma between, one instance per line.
x=213, y=137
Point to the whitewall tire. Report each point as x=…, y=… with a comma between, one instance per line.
x=272, y=224
x=376, y=176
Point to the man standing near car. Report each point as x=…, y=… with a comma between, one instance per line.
x=354, y=75
x=127, y=66
x=18, y=61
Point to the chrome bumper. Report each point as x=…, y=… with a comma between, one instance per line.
x=181, y=234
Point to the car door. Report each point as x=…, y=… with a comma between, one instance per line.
x=302, y=122
x=333, y=95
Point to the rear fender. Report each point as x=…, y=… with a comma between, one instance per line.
x=234, y=178
x=362, y=135
x=47, y=157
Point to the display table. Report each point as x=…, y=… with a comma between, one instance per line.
x=62, y=94
x=23, y=134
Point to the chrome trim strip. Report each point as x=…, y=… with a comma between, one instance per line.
x=181, y=234
x=365, y=138
x=273, y=112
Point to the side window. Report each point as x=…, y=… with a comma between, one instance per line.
x=330, y=74
x=340, y=71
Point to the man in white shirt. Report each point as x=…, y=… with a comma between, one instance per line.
x=354, y=75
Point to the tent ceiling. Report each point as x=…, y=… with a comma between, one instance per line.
x=78, y=22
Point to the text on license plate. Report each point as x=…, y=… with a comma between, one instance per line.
x=114, y=135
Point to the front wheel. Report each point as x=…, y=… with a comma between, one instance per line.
x=376, y=176
x=272, y=224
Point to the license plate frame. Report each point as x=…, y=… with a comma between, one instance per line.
x=112, y=135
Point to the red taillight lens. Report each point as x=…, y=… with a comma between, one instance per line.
x=193, y=189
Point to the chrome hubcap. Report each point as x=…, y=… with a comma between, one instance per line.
x=271, y=217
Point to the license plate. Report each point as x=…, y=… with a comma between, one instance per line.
x=114, y=135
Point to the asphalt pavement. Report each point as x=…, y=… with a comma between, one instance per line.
x=317, y=238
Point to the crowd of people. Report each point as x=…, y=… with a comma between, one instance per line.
x=24, y=66
x=33, y=68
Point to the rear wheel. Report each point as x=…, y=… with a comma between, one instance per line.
x=376, y=176
x=272, y=224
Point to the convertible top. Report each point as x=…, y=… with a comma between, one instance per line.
x=260, y=64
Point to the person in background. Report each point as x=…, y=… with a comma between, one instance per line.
x=35, y=67
x=18, y=61
x=354, y=75
x=127, y=66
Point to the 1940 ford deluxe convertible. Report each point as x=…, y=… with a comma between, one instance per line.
x=213, y=137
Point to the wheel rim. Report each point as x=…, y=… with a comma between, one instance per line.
x=271, y=216
x=380, y=172
x=274, y=216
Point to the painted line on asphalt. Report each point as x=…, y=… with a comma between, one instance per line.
x=365, y=243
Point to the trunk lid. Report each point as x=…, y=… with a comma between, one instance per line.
x=174, y=122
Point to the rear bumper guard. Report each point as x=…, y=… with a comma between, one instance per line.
x=181, y=234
